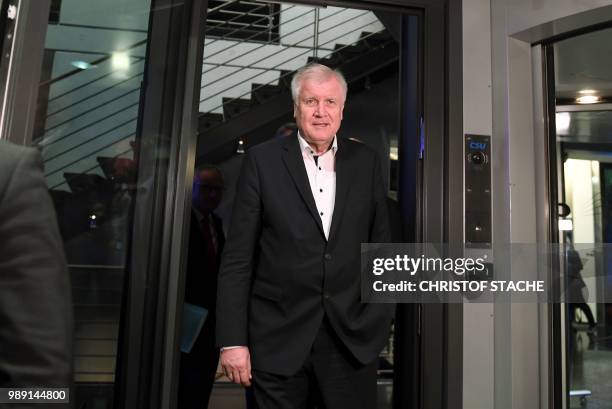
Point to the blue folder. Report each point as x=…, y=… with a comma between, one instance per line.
x=194, y=317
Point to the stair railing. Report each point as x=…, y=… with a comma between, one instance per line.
x=315, y=39
x=251, y=25
x=45, y=141
x=290, y=74
x=109, y=100
x=251, y=37
x=309, y=50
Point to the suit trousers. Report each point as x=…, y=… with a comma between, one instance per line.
x=197, y=371
x=330, y=378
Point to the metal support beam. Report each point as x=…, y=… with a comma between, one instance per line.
x=21, y=67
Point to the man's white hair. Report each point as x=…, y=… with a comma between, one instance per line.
x=317, y=72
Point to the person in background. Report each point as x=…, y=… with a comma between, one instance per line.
x=285, y=130
x=36, y=322
x=577, y=289
x=206, y=240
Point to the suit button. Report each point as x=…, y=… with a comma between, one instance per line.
x=327, y=256
x=326, y=296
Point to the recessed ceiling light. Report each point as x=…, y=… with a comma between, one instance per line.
x=82, y=65
x=587, y=91
x=588, y=99
x=120, y=61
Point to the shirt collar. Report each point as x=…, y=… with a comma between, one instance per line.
x=305, y=147
x=200, y=216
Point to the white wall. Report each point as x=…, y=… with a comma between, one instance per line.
x=478, y=359
x=526, y=14
x=580, y=179
x=128, y=14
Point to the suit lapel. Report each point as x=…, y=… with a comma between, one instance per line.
x=295, y=165
x=343, y=183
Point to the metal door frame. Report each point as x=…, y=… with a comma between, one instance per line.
x=553, y=379
x=147, y=361
x=149, y=364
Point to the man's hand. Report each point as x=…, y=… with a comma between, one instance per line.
x=236, y=363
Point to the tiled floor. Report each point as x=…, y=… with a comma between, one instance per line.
x=225, y=396
x=592, y=370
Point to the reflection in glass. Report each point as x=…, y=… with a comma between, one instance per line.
x=85, y=126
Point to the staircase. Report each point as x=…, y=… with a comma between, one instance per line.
x=97, y=294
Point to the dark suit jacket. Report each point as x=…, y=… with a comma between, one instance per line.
x=35, y=300
x=201, y=285
x=279, y=275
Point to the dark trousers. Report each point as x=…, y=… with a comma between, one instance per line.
x=584, y=307
x=331, y=378
x=197, y=375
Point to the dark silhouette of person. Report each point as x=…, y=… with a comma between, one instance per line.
x=576, y=285
x=285, y=130
x=35, y=298
x=206, y=241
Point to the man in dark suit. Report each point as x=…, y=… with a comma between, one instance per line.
x=35, y=297
x=206, y=240
x=290, y=316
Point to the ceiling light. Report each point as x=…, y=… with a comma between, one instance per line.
x=82, y=65
x=588, y=99
x=562, y=122
x=120, y=61
x=587, y=91
x=240, y=146
x=313, y=4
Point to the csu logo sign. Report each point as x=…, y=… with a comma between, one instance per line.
x=481, y=146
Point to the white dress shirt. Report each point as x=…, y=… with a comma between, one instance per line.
x=322, y=178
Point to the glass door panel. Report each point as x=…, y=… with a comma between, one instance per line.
x=583, y=140
x=252, y=50
x=86, y=129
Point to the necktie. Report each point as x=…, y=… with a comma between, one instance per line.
x=211, y=253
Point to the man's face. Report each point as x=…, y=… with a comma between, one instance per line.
x=318, y=109
x=207, y=190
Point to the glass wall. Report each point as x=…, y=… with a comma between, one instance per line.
x=583, y=92
x=86, y=128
